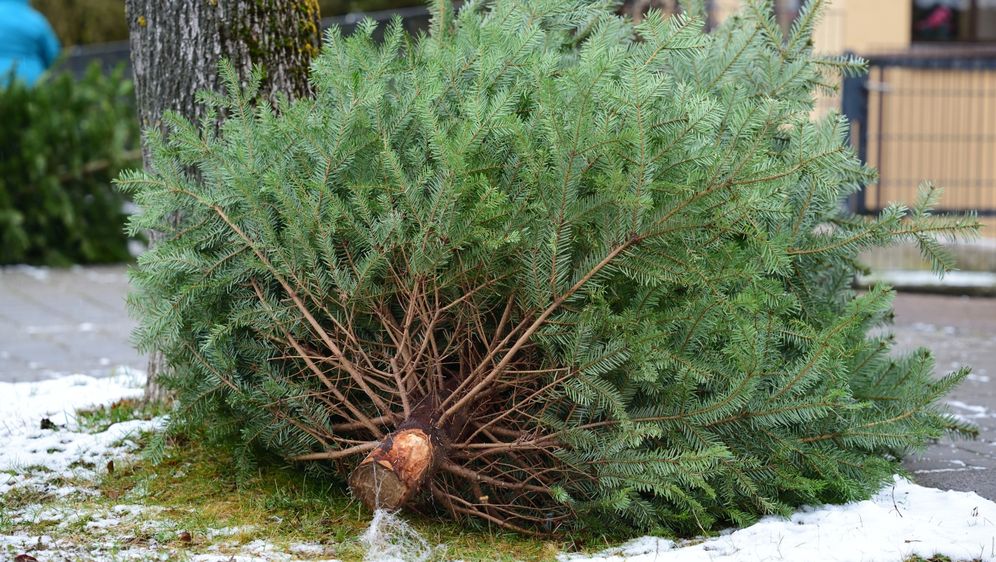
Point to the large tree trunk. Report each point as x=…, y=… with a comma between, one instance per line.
x=176, y=46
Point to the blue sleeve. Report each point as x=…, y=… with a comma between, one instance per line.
x=49, y=46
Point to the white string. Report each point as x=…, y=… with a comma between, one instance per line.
x=390, y=538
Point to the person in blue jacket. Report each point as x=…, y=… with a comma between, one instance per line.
x=27, y=43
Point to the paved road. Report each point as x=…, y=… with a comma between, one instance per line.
x=62, y=321
x=960, y=331
x=54, y=322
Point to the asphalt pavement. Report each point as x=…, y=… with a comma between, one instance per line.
x=55, y=322
x=959, y=331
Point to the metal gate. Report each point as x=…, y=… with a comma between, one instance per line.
x=929, y=115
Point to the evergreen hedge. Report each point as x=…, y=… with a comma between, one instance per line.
x=61, y=144
x=543, y=268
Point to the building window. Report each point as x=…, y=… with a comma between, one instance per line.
x=954, y=20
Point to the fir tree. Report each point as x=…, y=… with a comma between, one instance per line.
x=541, y=266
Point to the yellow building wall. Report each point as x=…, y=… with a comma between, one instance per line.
x=862, y=26
x=866, y=26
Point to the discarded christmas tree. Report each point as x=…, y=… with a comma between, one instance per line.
x=539, y=266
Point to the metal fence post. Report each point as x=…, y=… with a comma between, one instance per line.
x=854, y=106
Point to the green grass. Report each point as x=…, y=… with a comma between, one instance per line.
x=199, y=489
x=96, y=420
x=6, y=519
x=18, y=498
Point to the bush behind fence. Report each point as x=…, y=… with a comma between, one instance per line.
x=61, y=144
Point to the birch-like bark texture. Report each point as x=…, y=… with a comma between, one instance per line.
x=175, y=50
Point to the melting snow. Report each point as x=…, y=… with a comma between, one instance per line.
x=900, y=521
x=25, y=404
x=971, y=412
x=41, y=460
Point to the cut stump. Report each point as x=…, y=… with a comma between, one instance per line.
x=393, y=472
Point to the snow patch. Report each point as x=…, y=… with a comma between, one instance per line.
x=938, y=470
x=64, y=447
x=40, y=461
x=229, y=531
x=263, y=551
x=309, y=549
x=25, y=404
x=41, y=274
x=900, y=521
x=60, y=451
x=929, y=279
x=970, y=411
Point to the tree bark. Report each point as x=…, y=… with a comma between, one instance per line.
x=176, y=46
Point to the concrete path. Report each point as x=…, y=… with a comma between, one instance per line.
x=960, y=331
x=54, y=322
x=62, y=321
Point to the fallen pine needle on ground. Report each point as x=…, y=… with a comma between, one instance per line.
x=72, y=487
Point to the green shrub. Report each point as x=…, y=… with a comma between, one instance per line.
x=605, y=269
x=61, y=143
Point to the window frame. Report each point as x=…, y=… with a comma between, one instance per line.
x=973, y=35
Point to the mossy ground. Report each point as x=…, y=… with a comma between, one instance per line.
x=195, y=501
x=95, y=420
x=198, y=488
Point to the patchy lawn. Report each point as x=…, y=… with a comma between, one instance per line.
x=85, y=494
x=199, y=493
x=72, y=487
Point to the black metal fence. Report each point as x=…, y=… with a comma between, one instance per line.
x=929, y=115
x=110, y=55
